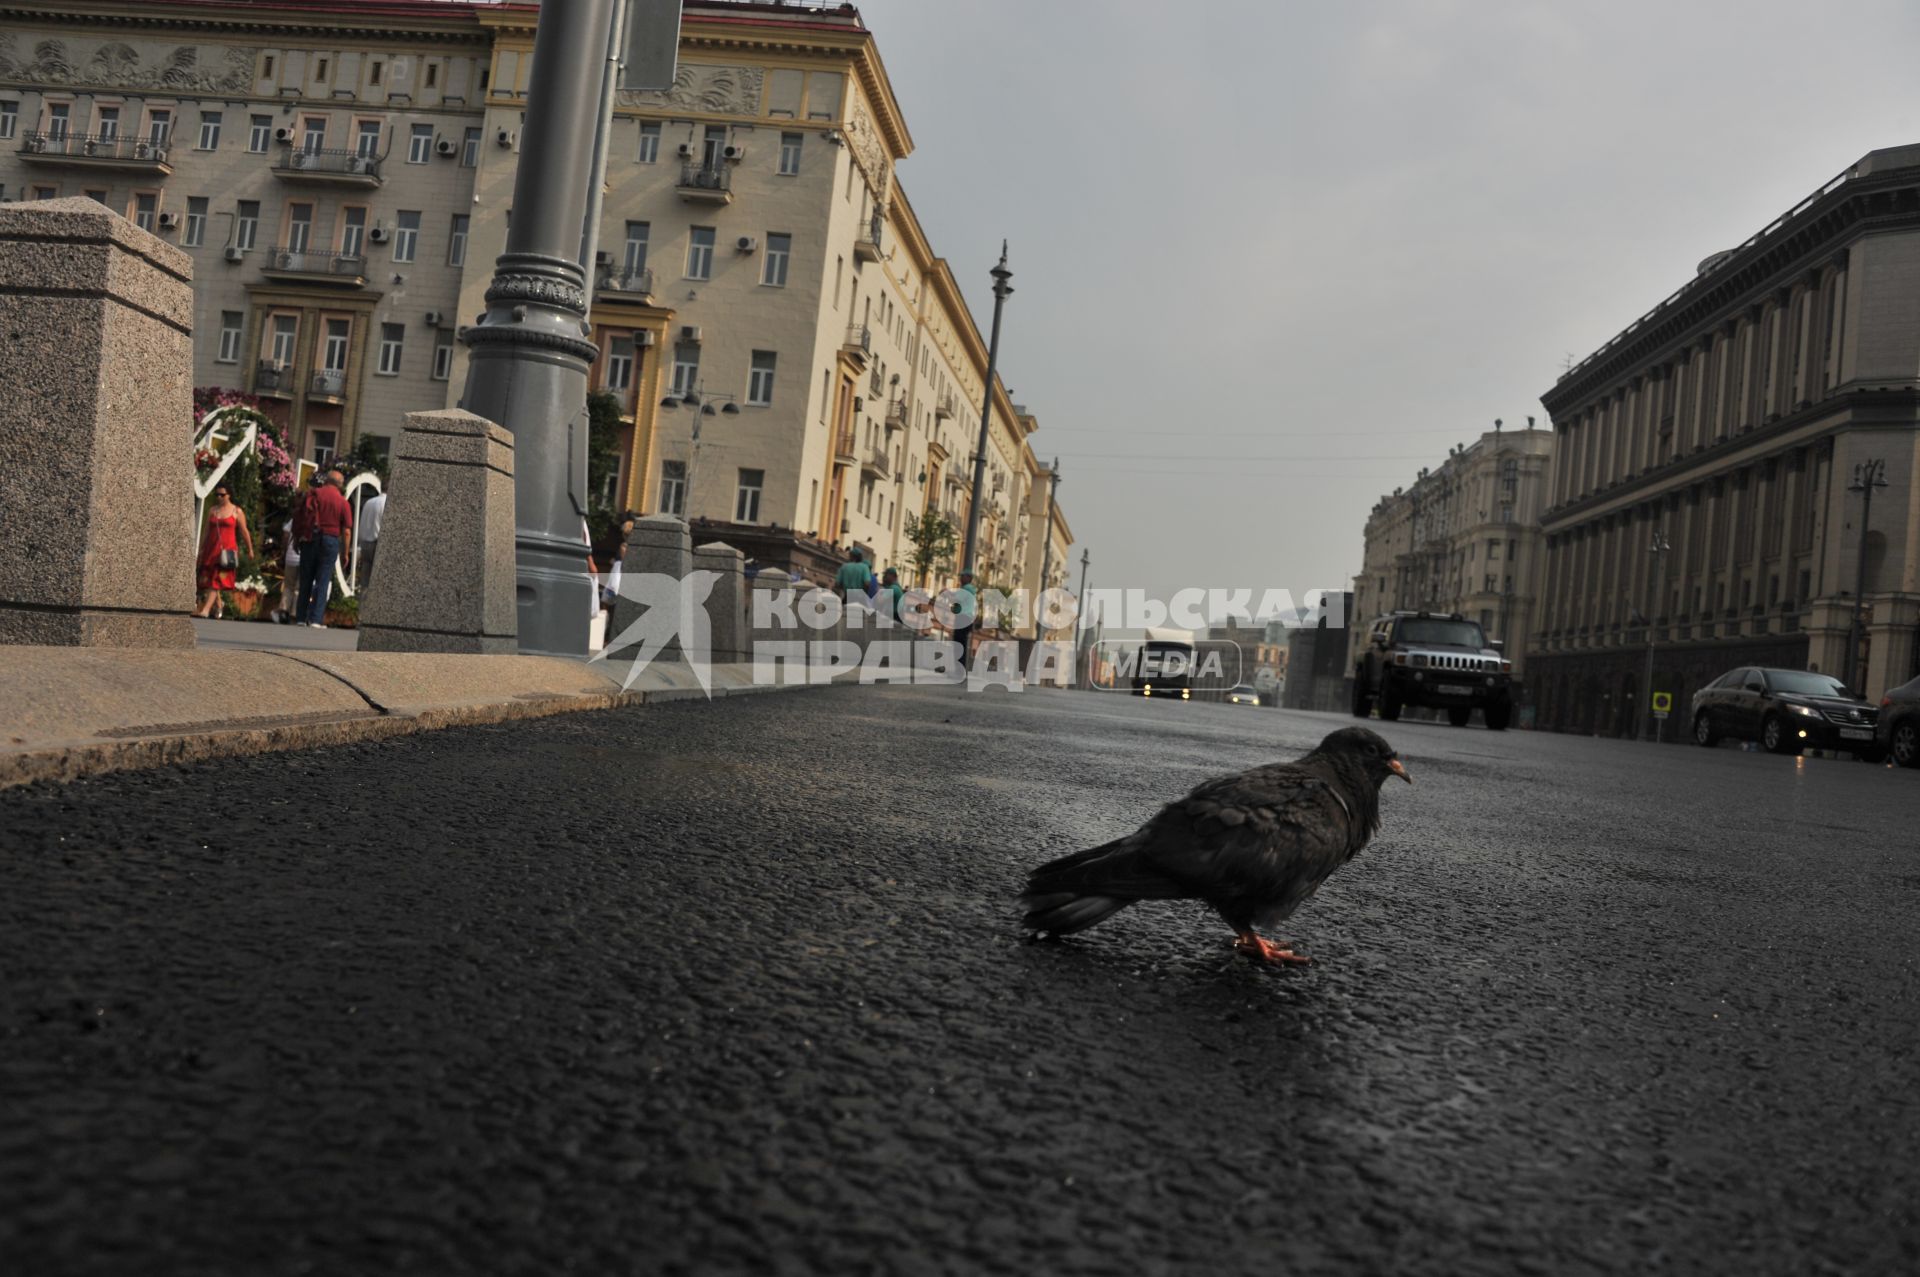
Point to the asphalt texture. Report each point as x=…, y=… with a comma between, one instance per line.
x=738, y=988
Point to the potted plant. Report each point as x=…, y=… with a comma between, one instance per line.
x=343, y=614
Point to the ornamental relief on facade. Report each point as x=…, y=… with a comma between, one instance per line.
x=705, y=88
x=868, y=150
x=113, y=64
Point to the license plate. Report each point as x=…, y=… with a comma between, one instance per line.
x=1856, y=733
x=1454, y=689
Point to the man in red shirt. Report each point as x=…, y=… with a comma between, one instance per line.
x=324, y=526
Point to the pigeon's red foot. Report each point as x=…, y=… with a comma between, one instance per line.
x=1267, y=949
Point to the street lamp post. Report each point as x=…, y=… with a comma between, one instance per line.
x=1659, y=548
x=1046, y=557
x=1001, y=291
x=1867, y=476
x=1080, y=604
x=701, y=400
x=530, y=351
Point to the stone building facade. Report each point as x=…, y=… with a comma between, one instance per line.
x=341, y=172
x=1726, y=424
x=1463, y=537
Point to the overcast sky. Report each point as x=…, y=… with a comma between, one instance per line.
x=1272, y=257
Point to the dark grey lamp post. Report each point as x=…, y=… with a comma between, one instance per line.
x=1867, y=476
x=702, y=401
x=1046, y=530
x=530, y=351
x=1001, y=291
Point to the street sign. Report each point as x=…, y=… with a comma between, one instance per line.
x=652, y=45
x=1662, y=704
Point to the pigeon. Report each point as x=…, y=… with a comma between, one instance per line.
x=1253, y=845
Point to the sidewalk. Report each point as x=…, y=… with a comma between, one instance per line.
x=67, y=712
x=258, y=635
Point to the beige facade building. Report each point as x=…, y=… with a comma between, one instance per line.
x=1464, y=537
x=342, y=173
x=1728, y=421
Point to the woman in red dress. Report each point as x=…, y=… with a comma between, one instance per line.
x=220, y=549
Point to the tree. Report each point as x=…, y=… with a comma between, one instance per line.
x=603, y=461
x=934, y=541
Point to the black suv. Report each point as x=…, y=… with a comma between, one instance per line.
x=1436, y=659
x=1786, y=711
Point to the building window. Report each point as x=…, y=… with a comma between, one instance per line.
x=420, y=144
x=746, y=502
x=406, y=235
x=373, y=72
x=773, y=273
x=353, y=231
x=9, y=119
x=196, y=221
x=636, y=256
x=686, y=368
x=230, y=324
x=267, y=71
x=98, y=196
x=299, y=227
x=700, y=253
x=333, y=357
x=286, y=331
x=59, y=115
x=433, y=74
x=259, y=133
x=760, y=380
x=673, y=488
x=712, y=145
x=46, y=192
x=457, y=244
x=159, y=126
x=106, y=123
x=367, y=144
x=789, y=154
x=620, y=364
x=470, y=149
x=246, y=223
x=324, y=442
x=313, y=133
x=146, y=209
x=442, y=355
x=209, y=130
x=393, y=339
x=649, y=142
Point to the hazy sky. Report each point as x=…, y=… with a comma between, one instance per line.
x=1272, y=257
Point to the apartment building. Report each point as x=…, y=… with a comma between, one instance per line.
x=797, y=368
x=315, y=160
x=1463, y=537
x=1705, y=458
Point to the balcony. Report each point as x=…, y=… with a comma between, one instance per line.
x=897, y=415
x=314, y=167
x=859, y=344
x=304, y=266
x=113, y=152
x=866, y=247
x=329, y=384
x=273, y=379
x=844, y=453
x=946, y=406
x=706, y=183
x=875, y=388
x=635, y=284
x=877, y=464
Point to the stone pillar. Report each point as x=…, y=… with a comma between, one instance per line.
x=446, y=578
x=726, y=605
x=662, y=545
x=96, y=354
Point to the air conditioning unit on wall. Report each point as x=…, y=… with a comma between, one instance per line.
x=690, y=333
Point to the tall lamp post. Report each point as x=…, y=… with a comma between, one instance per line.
x=1046, y=531
x=1080, y=604
x=1658, y=549
x=1001, y=291
x=530, y=351
x=1867, y=476
x=701, y=400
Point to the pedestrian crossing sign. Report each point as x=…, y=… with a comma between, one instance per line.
x=1662, y=704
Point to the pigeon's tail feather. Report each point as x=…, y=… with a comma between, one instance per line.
x=1063, y=913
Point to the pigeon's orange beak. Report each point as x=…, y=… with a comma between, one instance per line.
x=1399, y=769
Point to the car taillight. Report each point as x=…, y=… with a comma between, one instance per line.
x=1886, y=702
x=1506, y=667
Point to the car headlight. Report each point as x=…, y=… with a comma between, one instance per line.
x=1419, y=661
x=1808, y=710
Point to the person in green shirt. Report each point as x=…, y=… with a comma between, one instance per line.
x=850, y=583
x=967, y=613
x=892, y=590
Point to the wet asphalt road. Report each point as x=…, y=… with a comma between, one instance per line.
x=737, y=989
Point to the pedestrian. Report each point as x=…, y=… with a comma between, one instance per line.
x=966, y=612
x=367, y=534
x=220, y=549
x=890, y=593
x=609, y=556
x=328, y=523
x=853, y=577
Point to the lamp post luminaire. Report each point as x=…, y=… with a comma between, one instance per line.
x=701, y=400
x=1867, y=476
x=1001, y=291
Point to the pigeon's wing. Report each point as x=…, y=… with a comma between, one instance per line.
x=1271, y=834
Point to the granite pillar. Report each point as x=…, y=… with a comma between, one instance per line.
x=446, y=579
x=662, y=545
x=96, y=476
x=726, y=604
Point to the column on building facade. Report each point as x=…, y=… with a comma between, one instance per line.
x=1793, y=518
x=1766, y=542
x=1610, y=572
x=1680, y=559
